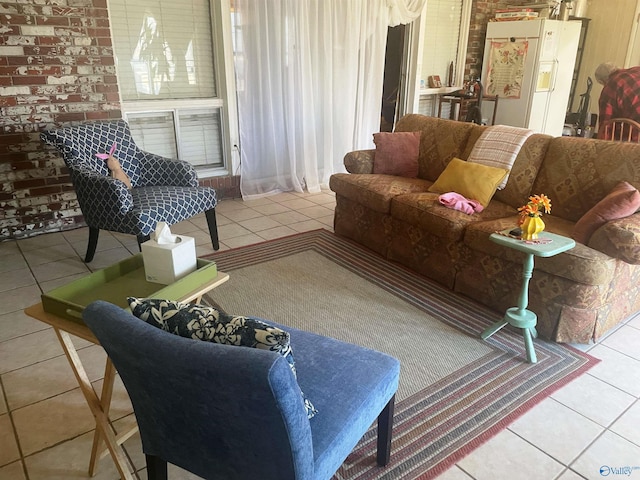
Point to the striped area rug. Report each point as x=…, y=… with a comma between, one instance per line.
x=456, y=390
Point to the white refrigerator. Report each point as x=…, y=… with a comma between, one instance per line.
x=529, y=64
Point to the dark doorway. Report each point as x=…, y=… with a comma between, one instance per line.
x=392, y=76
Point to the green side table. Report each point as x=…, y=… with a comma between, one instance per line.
x=547, y=245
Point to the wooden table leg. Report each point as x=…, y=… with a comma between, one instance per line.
x=105, y=402
x=102, y=419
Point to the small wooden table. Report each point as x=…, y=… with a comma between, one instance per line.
x=465, y=102
x=100, y=406
x=547, y=245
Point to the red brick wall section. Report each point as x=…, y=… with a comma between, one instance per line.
x=226, y=187
x=56, y=67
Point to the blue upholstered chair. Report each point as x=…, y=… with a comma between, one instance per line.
x=228, y=412
x=163, y=190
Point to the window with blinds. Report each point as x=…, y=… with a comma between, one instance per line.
x=187, y=134
x=442, y=34
x=163, y=49
x=167, y=78
x=154, y=132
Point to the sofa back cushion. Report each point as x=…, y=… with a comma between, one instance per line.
x=524, y=170
x=577, y=173
x=440, y=141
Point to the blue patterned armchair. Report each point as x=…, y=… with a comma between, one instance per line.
x=163, y=190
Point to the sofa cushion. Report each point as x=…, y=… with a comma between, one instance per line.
x=622, y=201
x=472, y=180
x=524, y=169
x=577, y=173
x=498, y=146
x=375, y=191
x=440, y=141
x=580, y=264
x=396, y=153
x=424, y=211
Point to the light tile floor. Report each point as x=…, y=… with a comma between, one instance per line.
x=46, y=429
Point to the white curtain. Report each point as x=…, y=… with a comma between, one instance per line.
x=310, y=76
x=404, y=11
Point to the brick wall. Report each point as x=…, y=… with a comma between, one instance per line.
x=56, y=67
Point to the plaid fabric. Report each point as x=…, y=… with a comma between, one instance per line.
x=620, y=97
x=498, y=146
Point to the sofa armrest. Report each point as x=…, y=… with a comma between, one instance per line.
x=359, y=161
x=619, y=239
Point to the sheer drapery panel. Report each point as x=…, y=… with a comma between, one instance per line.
x=310, y=76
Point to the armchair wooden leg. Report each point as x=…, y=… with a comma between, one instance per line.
x=385, y=427
x=213, y=227
x=156, y=468
x=142, y=239
x=93, y=243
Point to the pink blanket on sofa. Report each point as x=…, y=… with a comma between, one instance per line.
x=458, y=202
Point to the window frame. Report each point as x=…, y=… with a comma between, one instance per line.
x=463, y=42
x=225, y=101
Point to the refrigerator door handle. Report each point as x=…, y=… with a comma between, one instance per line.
x=554, y=74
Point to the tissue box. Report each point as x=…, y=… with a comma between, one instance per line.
x=167, y=262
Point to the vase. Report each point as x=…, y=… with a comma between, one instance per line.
x=531, y=227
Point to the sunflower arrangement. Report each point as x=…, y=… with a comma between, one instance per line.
x=536, y=205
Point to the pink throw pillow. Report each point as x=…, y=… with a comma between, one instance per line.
x=397, y=153
x=622, y=201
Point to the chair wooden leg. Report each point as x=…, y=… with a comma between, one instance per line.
x=156, y=468
x=385, y=427
x=213, y=227
x=142, y=239
x=93, y=243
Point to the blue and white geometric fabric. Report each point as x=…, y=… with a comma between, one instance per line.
x=163, y=190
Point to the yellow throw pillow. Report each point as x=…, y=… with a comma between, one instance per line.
x=471, y=180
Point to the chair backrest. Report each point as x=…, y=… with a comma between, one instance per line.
x=79, y=145
x=620, y=129
x=215, y=410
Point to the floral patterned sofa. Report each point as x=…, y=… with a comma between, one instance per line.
x=578, y=295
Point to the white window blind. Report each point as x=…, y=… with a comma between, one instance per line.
x=192, y=135
x=154, y=132
x=164, y=49
x=442, y=32
x=200, y=137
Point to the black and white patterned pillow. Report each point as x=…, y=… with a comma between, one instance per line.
x=201, y=322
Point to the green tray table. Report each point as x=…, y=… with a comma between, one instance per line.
x=119, y=281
